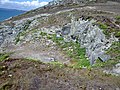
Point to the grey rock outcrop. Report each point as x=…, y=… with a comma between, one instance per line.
x=9, y=33
x=90, y=37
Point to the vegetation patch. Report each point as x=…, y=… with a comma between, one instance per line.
x=56, y=63
x=18, y=39
x=4, y=56
x=102, y=25
x=110, y=27
x=77, y=54
x=73, y=50
x=43, y=34
x=114, y=52
x=118, y=17
x=117, y=34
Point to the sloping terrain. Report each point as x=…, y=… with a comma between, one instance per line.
x=31, y=75
x=64, y=47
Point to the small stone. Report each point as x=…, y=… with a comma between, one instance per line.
x=52, y=59
x=3, y=71
x=4, y=66
x=35, y=65
x=10, y=75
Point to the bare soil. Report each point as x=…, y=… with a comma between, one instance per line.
x=44, y=50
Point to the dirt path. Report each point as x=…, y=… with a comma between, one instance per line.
x=43, y=50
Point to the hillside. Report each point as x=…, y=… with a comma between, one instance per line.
x=65, y=45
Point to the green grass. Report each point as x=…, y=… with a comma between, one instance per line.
x=3, y=56
x=114, y=52
x=17, y=39
x=43, y=34
x=73, y=50
x=109, y=63
x=118, y=17
x=57, y=40
x=117, y=34
x=108, y=28
x=56, y=63
x=77, y=54
x=102, y=25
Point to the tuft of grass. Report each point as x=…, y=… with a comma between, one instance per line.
x=56, y=63
x=54, y=38
x=57, y=40
x=3, y=56
x=17, y=40
x=23, y=34
x=43, y=34
x=102, y=25
x=117, y=34
x=118, y=17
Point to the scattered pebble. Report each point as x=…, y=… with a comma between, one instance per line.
x=10, y=75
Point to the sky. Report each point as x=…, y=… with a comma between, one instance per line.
x=25, y=5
